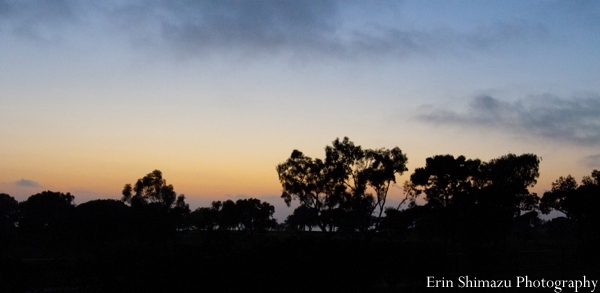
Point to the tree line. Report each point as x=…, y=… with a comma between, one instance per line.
x=149, y=210
x=466, y=200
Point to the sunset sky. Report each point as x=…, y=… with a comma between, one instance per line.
x=96, y=94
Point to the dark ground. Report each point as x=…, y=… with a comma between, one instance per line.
x=282, y=262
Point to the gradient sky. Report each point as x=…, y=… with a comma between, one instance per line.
x=215, y=94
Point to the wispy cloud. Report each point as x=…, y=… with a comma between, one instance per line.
x=302, y=28
x=256, y=26
x=592, y=161
x=26, y=183
x=305, y=28
x=39, y=21
x=573, y=121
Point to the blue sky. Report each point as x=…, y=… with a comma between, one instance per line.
x=215, y=94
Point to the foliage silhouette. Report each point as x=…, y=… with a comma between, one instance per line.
x=9, y=216
x=445, y=180
x=471, y=206
x=204, y=218
x=255, y=215
x=402, y=222
x=48, y=213
x=248, y=215
x=157, y=209
x=580, y=204
x=504, y=193
x=303, y=218
x=506, y=181
x=152, y=188
x=104, y=219
x=338, y=187
x=471, y=201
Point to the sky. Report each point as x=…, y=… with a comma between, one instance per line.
x=215, y=94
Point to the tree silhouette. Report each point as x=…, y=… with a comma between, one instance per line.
x=474, y=201
x=580, y=203
x=48, y=213
x=445, y=179
x=338, y=187
x=302, y=219
x=504, y=194
x=228, y=215
x=472, y=207
x=104, y=219
x=244, y=214
x=450, y=189
x=255, y=215
x=152, y=189
x=561, y=197
x=9, y=212
x=204, y=218
x=158, y=210
x=401, y=222
x=506, y=180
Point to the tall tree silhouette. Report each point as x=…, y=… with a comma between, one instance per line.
x=339, y=187
x=504, y=193
x=449, y=185
x=158, y=209
x=152, y=188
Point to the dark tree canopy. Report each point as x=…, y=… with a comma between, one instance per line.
x=158, y=210
x=502, y=182
x=153, y=189
x=479, y=219
x=560, y=197
x=228, y=215
x=303, y=218
x=104, y=219
x=255, y=215
x=204, y=218
x=474, y=201
x=48, y=212
x=340, y=188
x=580, y=203
x=244, y=214
x=9, y=207
x=444, y=179
x=506, y=180
x=9, y=213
